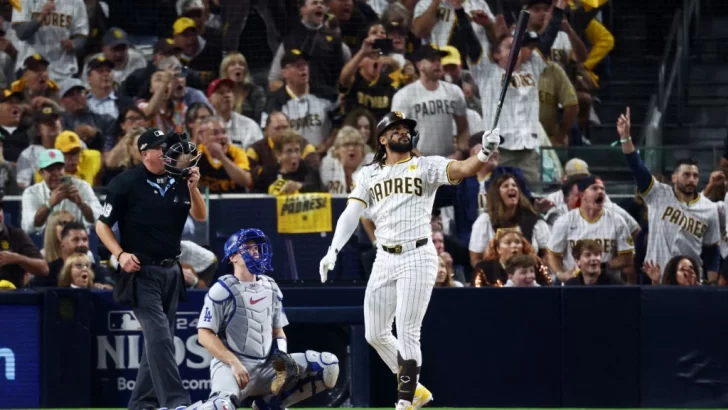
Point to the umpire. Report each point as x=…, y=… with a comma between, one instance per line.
x=151, y=207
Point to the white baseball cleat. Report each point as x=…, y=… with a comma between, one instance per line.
x=403, y=405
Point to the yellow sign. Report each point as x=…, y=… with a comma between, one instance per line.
x=304, y=213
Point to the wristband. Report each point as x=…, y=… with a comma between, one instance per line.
x=48, y=205
x=282, y=344
x=628, y=139
x=118, y=257
x=483, y=157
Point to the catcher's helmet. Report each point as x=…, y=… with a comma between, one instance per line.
x=393, y=118
x=237, y=243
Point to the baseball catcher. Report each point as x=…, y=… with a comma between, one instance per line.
x=241, y=325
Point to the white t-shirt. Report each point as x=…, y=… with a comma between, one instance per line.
x=434, y=112
x=243, y=131
x=483, y=233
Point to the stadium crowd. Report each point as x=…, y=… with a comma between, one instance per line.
x=78, y=92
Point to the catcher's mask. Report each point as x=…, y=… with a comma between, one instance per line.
x=254, y=247
x=180, y=155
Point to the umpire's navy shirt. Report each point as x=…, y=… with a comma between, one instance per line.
x=151, y=211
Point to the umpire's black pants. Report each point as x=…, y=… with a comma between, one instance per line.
x=158, y=383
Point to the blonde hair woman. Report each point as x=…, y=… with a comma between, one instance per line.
x=77, y=273
x=249, y=97
x=344, y=159
x=52, y=236
x=125, y=154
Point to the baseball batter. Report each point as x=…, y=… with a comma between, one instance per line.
x=398, y=191
x=241, y=325
x=681, y=220
x=54, y=30
x=590, y=221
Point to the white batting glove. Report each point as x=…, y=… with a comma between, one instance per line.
x=327, y=263
x=491, y=141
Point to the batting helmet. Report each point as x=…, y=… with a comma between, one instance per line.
x=393, y=118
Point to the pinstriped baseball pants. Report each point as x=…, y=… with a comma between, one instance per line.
x=399, y=288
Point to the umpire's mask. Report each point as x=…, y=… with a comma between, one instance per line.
x=180, y=155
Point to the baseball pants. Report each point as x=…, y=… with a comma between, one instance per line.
x=158, y=383
x=261, y=374
x=399, y=289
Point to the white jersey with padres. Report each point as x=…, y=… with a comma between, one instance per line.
x=308, y=114
x=678, y=228
x=561, y=49
x=67, y=21
x=399, y=197
x=519, y=121
x=442, y=32
x=434, y=112
x=482, y=233
x=333, y=174
x=608, y=229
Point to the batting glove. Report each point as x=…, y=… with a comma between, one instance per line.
x=327, y=263
x=491, y=140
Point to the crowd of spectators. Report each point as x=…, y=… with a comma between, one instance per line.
x=78, y=90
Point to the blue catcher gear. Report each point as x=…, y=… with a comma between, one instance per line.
x=257, y=256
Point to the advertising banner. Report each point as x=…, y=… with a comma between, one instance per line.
x=19, y=356
x=118, y=351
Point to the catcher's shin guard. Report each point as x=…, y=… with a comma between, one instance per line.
x=322, y=372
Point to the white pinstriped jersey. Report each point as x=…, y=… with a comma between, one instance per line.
x=434, y=112
x=609, y=230
x=678, y=228
x=308, y=114
x=68, y=20
x=519, y=121
x=561, y=208
x=399, y=197
x=445, y=26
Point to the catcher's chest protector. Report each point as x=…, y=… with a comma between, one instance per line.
x=249, y=316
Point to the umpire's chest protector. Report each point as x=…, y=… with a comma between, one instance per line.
x=251, y=310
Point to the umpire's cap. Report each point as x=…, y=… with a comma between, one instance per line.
x=393, y=118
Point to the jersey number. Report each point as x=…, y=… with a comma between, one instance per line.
x=208, y=315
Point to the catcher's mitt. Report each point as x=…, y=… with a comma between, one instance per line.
x=286, y=372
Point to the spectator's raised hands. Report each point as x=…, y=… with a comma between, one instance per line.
x=47, y=9
x=624, y=125
x=652, y=270
x=501, y=28
x=67, y=44
x=481, y=17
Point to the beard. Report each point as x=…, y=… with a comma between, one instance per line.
x=400, y=147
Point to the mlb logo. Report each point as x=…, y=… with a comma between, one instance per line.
x=123, y=321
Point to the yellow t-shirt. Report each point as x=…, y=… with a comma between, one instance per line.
x=89, y=165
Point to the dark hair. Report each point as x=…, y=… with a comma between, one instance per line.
x=192, y=110
x=117, y=130
x=268, y=118
x=72, y=226
x=585, y=245
x=497, y=43
x=669, y=275
x=684, y=161
x=351, y=119
x=520, y=261
x=570, y=182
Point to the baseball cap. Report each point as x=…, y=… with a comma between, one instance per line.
x=50, y=157
x=151, y=138
x=183, y=6
x=452, y=57
x=34, y=61
x=98, y=62
x=68, y=141
x=47, y=113
x=183, y=24
x=429, y=52
x=586, y=182
x=576, y=166
x=116, y=36
x=217, y=83
x=166, y=46
x=8, y=94
x=292, y=55
x=395, y=27
x=529, y=3
x=71, y=84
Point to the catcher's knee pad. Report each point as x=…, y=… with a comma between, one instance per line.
x=325, y=365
